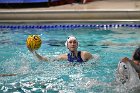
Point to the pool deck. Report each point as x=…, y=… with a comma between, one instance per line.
x=108, y=10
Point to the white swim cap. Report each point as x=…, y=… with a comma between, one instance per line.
x=70, y=38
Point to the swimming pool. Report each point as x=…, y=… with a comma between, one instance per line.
x=111, y=41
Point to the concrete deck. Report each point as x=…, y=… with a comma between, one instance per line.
x=92, y=11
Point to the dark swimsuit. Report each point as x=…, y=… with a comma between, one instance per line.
x=75, y=59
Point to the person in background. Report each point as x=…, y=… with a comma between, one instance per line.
x=81, y=1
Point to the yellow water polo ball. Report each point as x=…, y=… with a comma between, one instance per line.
x=33, y=42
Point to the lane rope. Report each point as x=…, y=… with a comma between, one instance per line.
x=31, y=26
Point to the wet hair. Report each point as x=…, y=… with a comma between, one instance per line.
x=136, y=55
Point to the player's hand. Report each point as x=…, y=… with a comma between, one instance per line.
x=125, y=59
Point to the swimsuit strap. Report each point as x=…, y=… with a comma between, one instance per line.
x=75, y=59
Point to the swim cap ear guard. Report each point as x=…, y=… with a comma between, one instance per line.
x=70, y=38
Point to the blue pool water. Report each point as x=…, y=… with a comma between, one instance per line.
x=110, y=43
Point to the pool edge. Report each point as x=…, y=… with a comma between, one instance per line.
x=63, y=16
